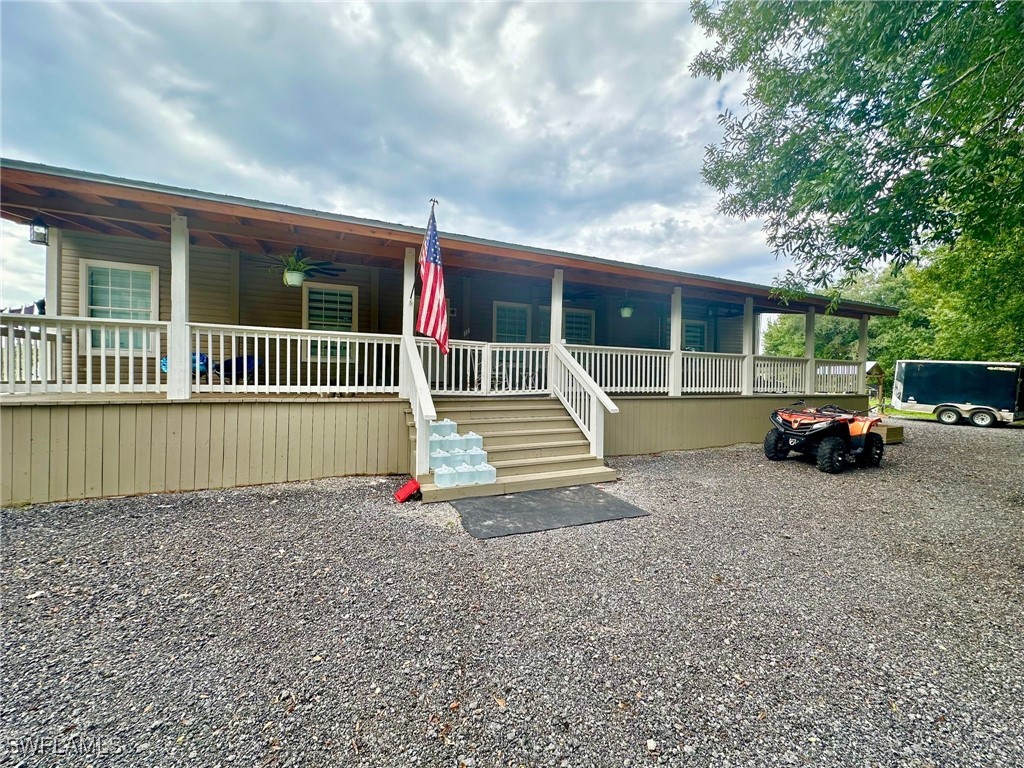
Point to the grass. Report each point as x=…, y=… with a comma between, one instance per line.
x=888, y=410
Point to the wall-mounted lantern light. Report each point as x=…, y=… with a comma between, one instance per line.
x=38, y=232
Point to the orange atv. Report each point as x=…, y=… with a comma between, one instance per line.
x=832, y=435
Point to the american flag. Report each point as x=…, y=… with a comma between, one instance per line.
x=432, y=319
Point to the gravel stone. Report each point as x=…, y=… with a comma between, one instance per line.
x=764, y=614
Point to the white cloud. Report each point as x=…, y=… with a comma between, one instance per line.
x=556, y=125
x=22, y=266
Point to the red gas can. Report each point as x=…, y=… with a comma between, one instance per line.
x=410, y=490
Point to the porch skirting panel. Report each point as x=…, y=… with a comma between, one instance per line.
x=655, y=424
x=54, y=452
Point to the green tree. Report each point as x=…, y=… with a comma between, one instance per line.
x=909, y=335
x=871, y=129
x=973, y=294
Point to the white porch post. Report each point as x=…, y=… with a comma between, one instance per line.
x=810, y=382
x=556, y=306
x=675, y=361
x=862, y=356
x=53, y=270
x=747, y=385
x=408, y=285
x=179, y=353
x=408, y=305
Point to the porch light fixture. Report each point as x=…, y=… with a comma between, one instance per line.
x=38, y=232
x=626, y=307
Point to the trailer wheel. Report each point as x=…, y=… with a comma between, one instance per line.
x=948, y=415
x=775, y=445
x=982, y=418
x=831, y=455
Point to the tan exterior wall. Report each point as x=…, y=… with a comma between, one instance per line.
x=58, y=452
x=655, y=424
x=213, y=295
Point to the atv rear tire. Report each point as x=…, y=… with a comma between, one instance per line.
x=775, y=445
x=948, y=416
x=874, y=447
x=832, y=455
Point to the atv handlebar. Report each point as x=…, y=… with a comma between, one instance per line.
x=832, y=408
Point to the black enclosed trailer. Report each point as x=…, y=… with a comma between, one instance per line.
x=985, y=393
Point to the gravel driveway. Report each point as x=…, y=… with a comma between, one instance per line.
x=764, y=614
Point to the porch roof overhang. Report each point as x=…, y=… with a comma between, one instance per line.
x=89, y=202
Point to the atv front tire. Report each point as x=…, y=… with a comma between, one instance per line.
x=874, y=447
x=775, y=445
x=832, y=455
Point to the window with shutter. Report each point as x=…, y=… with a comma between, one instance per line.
x=328, y=307
x=577, y=326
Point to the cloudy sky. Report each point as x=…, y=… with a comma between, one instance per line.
x=568, y=126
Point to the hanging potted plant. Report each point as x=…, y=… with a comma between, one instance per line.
x=295, y=268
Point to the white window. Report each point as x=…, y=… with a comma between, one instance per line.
x=118, y=291
x=577, y=326
x=511, y=323
x=329, y=307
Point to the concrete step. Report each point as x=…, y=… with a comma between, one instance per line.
x=517, y=483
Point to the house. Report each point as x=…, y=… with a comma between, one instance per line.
x=171, y=358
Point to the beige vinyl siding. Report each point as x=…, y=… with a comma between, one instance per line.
x=730, y=335
x=390, y=301
x=212, y=292
x=60, y=452
x=266, y=301
x=646, y=425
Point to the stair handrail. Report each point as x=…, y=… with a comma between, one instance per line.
x=588, y=411
x=414, y=386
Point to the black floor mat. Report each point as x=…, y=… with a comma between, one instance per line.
x=488, y=517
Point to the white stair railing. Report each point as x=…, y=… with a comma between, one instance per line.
x=415, y=388
x=585, y=401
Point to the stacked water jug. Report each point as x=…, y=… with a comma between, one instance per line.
x=458, y=459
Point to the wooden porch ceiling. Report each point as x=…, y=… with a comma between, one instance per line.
x=128, y=210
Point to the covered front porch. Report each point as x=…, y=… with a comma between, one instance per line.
x=160, y=293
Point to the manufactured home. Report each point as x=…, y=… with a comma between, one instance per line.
x=172, y=357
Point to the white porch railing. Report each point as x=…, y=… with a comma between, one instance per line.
x=585, y=401
x=836, y=376
x=712, y=372
x=44, y=355
x=780, y=375
x=624, y=369
x=57, y=355
x=252, y=359
x=478, y=368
